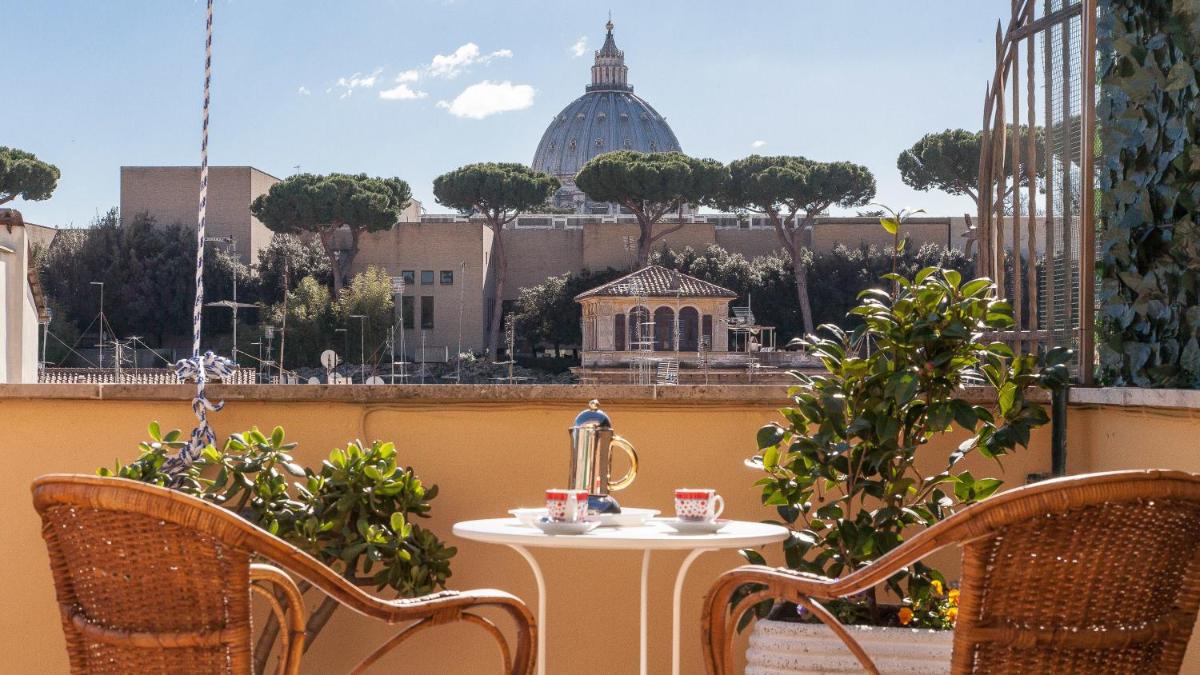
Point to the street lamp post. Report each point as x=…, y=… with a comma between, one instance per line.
x=362, y=345
x=346, y=341
x=232, y=241
x=269, y=333
x=101, y=285
x=258, y=365
x=397, y=304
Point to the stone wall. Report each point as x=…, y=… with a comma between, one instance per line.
x=490, y=448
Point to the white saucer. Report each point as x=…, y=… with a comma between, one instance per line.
x=528, y=516
x=694, y=526
x=555, y=528
x=628, y=517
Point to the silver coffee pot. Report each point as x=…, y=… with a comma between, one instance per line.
x=592, y=441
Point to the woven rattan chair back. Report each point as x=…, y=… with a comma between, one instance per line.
x=150, y=580
x=146, y=584
x=1087, y=574
x=1093, y=576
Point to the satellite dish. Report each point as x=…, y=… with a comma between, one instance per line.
x=313, y=380
x=329, y=359
x=374, y=379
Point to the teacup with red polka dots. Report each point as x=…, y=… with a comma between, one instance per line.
x=698, y=504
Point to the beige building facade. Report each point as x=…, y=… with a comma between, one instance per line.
x=445, y=258
x=22, y=307
x=170, y=195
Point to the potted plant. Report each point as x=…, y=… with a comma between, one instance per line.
x=842, y=468
x=353, y=513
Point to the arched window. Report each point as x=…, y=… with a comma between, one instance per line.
x=689, y=330
x=664, y=329
x=640, y=333
x=619, y=332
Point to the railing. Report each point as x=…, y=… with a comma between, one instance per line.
x=1036, y=175
x=129, y=376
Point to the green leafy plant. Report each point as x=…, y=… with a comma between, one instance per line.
x=1148, y=114
x=842, y=468
x=354, y=513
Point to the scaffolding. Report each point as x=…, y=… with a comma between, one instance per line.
x=643, y=366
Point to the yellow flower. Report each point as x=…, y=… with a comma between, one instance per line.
x=954, y=596
x=906, y=616
x=937, y=587
x=952, y=614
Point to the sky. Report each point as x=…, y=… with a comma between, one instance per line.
x=415, y=88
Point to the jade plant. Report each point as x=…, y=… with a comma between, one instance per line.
x=354, y=513
x=842, y=469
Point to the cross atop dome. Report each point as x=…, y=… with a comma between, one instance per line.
x=609, y=71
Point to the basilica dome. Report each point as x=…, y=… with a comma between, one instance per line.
x=609, y=116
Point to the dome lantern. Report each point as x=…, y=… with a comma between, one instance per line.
x=609, y=71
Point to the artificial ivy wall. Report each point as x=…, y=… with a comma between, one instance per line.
x=1149, y=120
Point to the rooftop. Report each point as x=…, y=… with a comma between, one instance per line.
x=656, y=281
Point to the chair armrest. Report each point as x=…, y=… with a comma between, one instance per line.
x=421, y=612
x=806, y=590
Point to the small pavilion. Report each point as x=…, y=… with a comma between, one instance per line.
x=638, y=313
x=657, y=316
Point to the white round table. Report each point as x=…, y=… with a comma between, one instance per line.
x=650, y=537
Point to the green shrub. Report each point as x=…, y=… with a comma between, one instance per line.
x=841, y=468
x=355, y=513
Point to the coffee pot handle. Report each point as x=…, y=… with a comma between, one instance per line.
x=624, y=481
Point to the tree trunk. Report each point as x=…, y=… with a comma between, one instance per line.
x=645, y=241
x=800, y=272
x=501, y=265
x=335, y=266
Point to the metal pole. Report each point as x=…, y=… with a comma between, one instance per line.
x=45, y=338
x=101, y=285
x=233, y=246
x=1087, y=228
x=362, y=345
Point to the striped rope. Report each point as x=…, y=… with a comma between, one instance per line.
x=209, y=365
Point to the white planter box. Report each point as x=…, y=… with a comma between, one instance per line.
x=786, y=648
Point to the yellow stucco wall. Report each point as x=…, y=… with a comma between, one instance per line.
x=487, y=456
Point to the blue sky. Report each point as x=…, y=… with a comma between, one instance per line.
x=92, y=86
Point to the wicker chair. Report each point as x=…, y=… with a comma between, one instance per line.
x=152, y=580
x=1090, y=574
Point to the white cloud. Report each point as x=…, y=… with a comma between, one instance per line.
x=411, y=75
x=303, y=91
x=580, y=47
x=758, y=144
x=401, y=92
x=357, y=81
x=452, y=65
x=489, y=98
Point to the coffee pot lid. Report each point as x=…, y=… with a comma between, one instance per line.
x=593, y=416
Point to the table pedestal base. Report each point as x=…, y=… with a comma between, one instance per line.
x=643, y=660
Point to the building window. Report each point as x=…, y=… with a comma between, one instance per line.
x=447, y=277
x=706, y=330
x=410, y=277
x=426, y=277
x=408, y=311
x=619, y=332
x=427, y=312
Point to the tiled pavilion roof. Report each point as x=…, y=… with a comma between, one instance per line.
x=656, y=281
